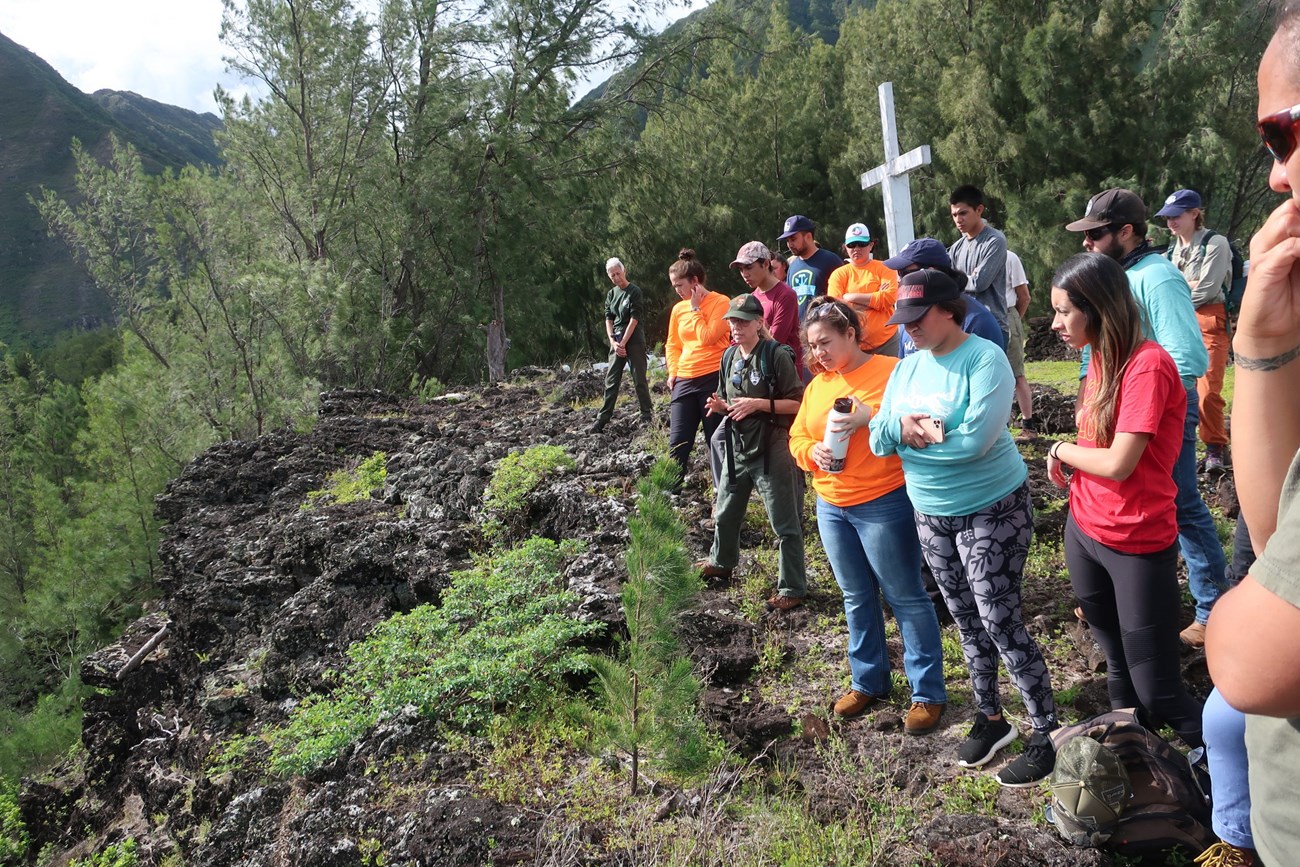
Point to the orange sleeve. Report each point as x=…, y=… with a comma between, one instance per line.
x=801, y=437
x=673, y=343
x=886, y=293
x=838, y=285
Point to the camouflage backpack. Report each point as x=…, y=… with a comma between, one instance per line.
x=1164, y=806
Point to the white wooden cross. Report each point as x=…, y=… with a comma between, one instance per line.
x=892, y=176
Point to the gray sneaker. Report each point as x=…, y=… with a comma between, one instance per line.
x=1031, y=766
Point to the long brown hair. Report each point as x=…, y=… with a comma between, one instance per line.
x=837, y=315
x=1098, y=287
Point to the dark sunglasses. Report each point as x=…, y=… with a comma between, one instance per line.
x=737, y=369
x=1275, y=130
x=856, y=244
x=1100, y=232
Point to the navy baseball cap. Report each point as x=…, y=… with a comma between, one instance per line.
x=796, y=224
x=926, y=252
x=1180, y=202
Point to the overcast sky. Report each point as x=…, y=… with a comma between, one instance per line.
x=167, y=50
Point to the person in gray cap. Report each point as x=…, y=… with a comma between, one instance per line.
x=1205, y=259
x=758, y=396
x=810, y=269
x=626, y=344
x=1115, y=223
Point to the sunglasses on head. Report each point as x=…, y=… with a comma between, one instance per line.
x=1100, y=232
x=824, y=310
x=1276, y=132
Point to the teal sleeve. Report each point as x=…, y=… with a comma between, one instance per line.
x=992, y=388
x=1173, y=325
x=885, y=428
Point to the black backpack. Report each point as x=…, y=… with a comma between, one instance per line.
x=1237, y=281
x=1167, y=806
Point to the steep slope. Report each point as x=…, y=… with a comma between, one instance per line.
x=42, y=290
x=262, y=600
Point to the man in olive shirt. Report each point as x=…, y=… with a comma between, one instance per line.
x=626, y=343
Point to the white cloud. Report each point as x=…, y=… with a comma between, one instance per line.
x=167, y=50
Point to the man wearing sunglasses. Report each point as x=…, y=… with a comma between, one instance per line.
x=1115, y=224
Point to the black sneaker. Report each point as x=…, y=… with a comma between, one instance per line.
x=598, y=426
x=986, y=738
x=1031, y=766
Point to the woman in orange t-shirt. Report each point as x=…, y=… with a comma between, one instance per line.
x=870, y=288
x=866, y=520
x=697, y=338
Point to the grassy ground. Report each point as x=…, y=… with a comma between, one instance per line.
x=1064, y=377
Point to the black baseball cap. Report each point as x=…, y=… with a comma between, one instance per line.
x=919, y=291
x=1114, y=207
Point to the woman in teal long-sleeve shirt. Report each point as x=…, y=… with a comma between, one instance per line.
x=944, y=413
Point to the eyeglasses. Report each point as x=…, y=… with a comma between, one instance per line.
x=853, y=245
x=1275, y=130
x=1100, y=232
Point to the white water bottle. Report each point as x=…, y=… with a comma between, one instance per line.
x=837, y=442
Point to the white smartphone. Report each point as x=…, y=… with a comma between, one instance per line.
x=933, y=429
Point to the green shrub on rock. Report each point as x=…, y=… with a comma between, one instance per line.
x=500, y=639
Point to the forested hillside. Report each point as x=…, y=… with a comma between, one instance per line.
x=42, y=290
x=418, y=185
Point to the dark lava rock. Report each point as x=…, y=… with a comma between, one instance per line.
x=1042, y=344
x=983, y=841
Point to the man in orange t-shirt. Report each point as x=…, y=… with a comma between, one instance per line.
x=870, y=288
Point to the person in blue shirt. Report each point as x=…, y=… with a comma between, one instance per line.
x=810, y=269
x=929, y=253
x=1114, y=223
x=944, y=413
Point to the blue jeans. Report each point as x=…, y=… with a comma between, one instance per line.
x=873, y=550
x=1198, y=540
x=1225, y=750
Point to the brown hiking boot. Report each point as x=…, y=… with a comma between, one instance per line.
x=854, y=703
x=784, y=603
x=1194, y=635
x=922, y=717
x=709, y=570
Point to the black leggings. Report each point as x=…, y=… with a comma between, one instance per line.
x=977, y=562
x=687, y=412
x=1132, y=604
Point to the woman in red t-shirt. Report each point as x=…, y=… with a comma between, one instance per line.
x=1121, y=537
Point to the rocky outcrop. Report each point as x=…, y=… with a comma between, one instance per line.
x=262, y=596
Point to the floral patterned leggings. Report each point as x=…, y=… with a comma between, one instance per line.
x=977, y=560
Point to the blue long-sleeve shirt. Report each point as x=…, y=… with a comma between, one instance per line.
x=971, y=389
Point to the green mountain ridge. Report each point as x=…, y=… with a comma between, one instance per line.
x=42, y=289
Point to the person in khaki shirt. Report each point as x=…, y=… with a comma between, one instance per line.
x=1205, y=259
